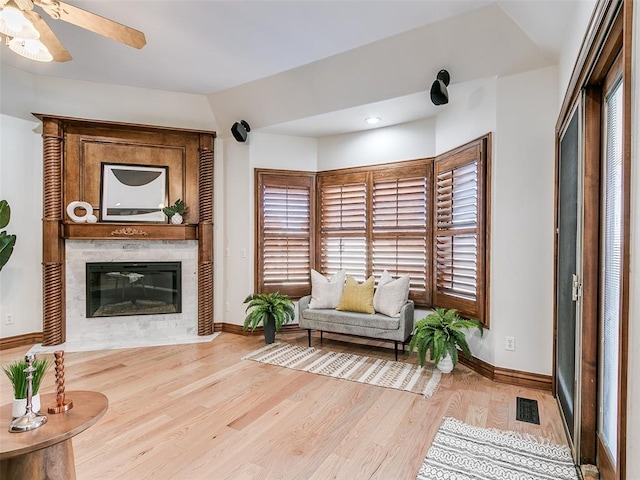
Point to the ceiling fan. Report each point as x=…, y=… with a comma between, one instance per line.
x=27, y=34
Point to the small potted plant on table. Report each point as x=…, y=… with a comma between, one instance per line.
x=442, y=332
x=273, y=310
x=17, y=376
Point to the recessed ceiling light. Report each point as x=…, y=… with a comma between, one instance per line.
x=372, y=120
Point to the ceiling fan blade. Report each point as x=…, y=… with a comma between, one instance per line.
x=95, y=23
x=49, y=38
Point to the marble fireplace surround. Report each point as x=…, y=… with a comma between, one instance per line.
x=131, y=330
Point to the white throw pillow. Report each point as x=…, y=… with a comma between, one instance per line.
x=326, y=292
x=391, y=294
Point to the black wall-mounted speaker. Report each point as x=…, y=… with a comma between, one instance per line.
x=439, y=94
x=239, y=131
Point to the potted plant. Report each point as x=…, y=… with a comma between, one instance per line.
x=7, y=241
x=175, y=212
x=273, y=310
x=18, y=378
x=442, y=333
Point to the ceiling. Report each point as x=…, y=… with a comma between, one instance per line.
x=309, y=67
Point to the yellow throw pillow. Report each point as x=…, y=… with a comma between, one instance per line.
x=357, y=297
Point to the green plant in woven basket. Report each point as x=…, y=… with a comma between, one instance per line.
x=18, y=378
x=273, y=310
x=7, y=241
x=441, y=333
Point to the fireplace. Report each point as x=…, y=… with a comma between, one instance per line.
x=116, y=289
x=73, y=149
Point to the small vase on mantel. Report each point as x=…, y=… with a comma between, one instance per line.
x=176, y=219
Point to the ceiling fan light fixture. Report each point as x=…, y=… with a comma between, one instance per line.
x=14, y=24
x=31, y=48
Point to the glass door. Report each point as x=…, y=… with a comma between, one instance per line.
x=568, y=283
x=610, y=275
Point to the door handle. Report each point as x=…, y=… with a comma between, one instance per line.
x=576, y=288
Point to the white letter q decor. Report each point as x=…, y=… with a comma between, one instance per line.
x=71, y=211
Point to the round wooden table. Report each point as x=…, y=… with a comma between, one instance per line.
x=47, y=452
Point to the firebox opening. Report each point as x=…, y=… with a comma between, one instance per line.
x=124, y=288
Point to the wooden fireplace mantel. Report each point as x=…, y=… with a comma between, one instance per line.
x=73, y=150
x=128, y=231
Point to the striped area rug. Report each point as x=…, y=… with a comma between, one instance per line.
x=357, y=368
x=463, y=452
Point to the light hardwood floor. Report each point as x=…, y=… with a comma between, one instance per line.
x=198, y=411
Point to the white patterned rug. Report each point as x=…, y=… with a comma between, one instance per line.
x=463, y=452
x=357, y=368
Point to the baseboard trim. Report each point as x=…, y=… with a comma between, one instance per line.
x=479, y=366
x=26, y=339
x=508, y=376
x=237, y=329
x=523, y=379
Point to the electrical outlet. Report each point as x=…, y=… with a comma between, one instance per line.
x=226, y=306
x=8, y=319
x=510, y=343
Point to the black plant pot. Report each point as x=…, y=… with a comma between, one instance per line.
x=269, y=330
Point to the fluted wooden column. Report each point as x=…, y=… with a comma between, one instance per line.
x=53, y=272
x=205, y=236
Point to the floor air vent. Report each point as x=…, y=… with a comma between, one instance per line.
x=527, y=410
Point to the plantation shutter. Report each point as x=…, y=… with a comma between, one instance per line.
x=343, y=225
x=285, y=206
x=400, y=216
x=460, y=230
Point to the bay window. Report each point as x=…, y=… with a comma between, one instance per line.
x=427, y=218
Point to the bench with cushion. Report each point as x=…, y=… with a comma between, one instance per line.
x=371, y=325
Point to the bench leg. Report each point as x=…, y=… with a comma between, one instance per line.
x=309, y=335
x=321, y=331
x=395, y=347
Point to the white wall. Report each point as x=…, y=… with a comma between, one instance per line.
x=574, y=36
x=239, y=230
x=23, y=94
x=470, y=114
x=21, y=186
x=522, y=221
x=17, y=92
x=407, y=141
x=283, y=152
